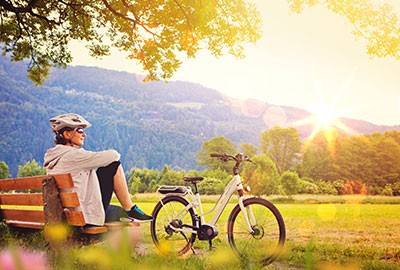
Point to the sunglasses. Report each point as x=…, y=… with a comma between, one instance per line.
x=80, y=130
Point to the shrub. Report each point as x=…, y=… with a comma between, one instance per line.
x=354, y=187
x=375, y=190
x=290, y=182
x=211, y=186
x=326, y=188
x=306, y=187
x=387, y=190
x=396, y=189
x=338, y=185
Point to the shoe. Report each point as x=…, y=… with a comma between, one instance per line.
x=135, y=214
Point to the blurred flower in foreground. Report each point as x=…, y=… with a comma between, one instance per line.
x=222, y=259
x=96, y=256
x=56, y=233
x=16, y=259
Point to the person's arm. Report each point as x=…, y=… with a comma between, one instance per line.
x=91, y=160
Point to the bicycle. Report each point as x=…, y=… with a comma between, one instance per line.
x=255, y=229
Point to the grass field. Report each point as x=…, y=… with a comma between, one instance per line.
x=330, y=235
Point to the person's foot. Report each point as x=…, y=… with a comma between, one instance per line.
x=135, y=214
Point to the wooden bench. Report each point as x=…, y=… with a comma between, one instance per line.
x=51, y=202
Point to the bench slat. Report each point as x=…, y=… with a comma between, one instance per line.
x=34, y=182
x=69, y=199
x=36, y=218
x=94, y=230
x=75, y=218
x=22, y=224
x=35, y=199
x=23, y=215
x=64, y=181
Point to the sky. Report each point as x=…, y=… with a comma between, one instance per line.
x=310, y=61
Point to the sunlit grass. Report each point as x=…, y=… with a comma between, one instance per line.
x=345, y=235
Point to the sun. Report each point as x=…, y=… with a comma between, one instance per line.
x=325, y=118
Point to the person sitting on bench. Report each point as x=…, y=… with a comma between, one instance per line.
x=96, y=175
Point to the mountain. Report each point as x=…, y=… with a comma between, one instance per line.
x=150, y=124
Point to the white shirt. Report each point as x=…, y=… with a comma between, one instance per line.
x=82, y=165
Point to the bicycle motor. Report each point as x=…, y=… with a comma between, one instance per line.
x=207, y=232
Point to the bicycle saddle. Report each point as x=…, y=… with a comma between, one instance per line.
x=192, y=179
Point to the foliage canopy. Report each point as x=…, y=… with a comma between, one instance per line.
x=156, y=33
x=282, y=145
x=376, y=24
x=4, y=172
x=31, y=168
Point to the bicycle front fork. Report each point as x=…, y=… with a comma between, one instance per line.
x=248, y=214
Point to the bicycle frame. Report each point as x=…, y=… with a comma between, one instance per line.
x=254, y=224
x=195, y=202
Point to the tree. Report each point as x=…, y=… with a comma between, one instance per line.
x=4, y=171
x=263, y=178
x=378, y=25
x=142, y=180
x=290, y=182
x=248, y=149
x=216, y=145
x=282, y=145
x=373, y=158
x=134, y=185
x=171, y=177
x=31, y=168
x=155, y=33
x=318, y=158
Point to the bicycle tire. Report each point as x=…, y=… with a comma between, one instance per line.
x=164, y=237
x=268, y=238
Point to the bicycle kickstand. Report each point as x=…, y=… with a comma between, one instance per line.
x=210, y=244
x=193, y=250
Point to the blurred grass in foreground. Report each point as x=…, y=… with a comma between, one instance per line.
x=324, y=236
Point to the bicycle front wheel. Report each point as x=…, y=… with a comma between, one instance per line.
x=264, y=240
x=172, y=228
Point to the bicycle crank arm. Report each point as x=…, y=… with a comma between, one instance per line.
x=182, y=230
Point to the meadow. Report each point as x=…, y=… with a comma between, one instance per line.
x=352, y=232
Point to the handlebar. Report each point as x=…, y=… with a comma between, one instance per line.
x=217, y=155
x=225, y=157
x=239, y=158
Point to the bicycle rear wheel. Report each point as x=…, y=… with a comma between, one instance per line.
x=172, y=226
x=264, y=243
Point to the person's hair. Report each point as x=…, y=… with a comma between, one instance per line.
x=59, y=138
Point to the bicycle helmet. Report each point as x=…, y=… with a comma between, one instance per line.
x=72, y=120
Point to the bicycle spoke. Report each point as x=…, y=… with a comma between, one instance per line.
x=168, y=232
x=262, y=242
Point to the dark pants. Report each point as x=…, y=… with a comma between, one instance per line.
x=106, y=181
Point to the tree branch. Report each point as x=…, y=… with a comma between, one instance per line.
x=184, y=13
x=10, y=7
x=136, y=21
x=131, y=9
x=116, y=13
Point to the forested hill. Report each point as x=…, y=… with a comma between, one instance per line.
x=150, y=124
